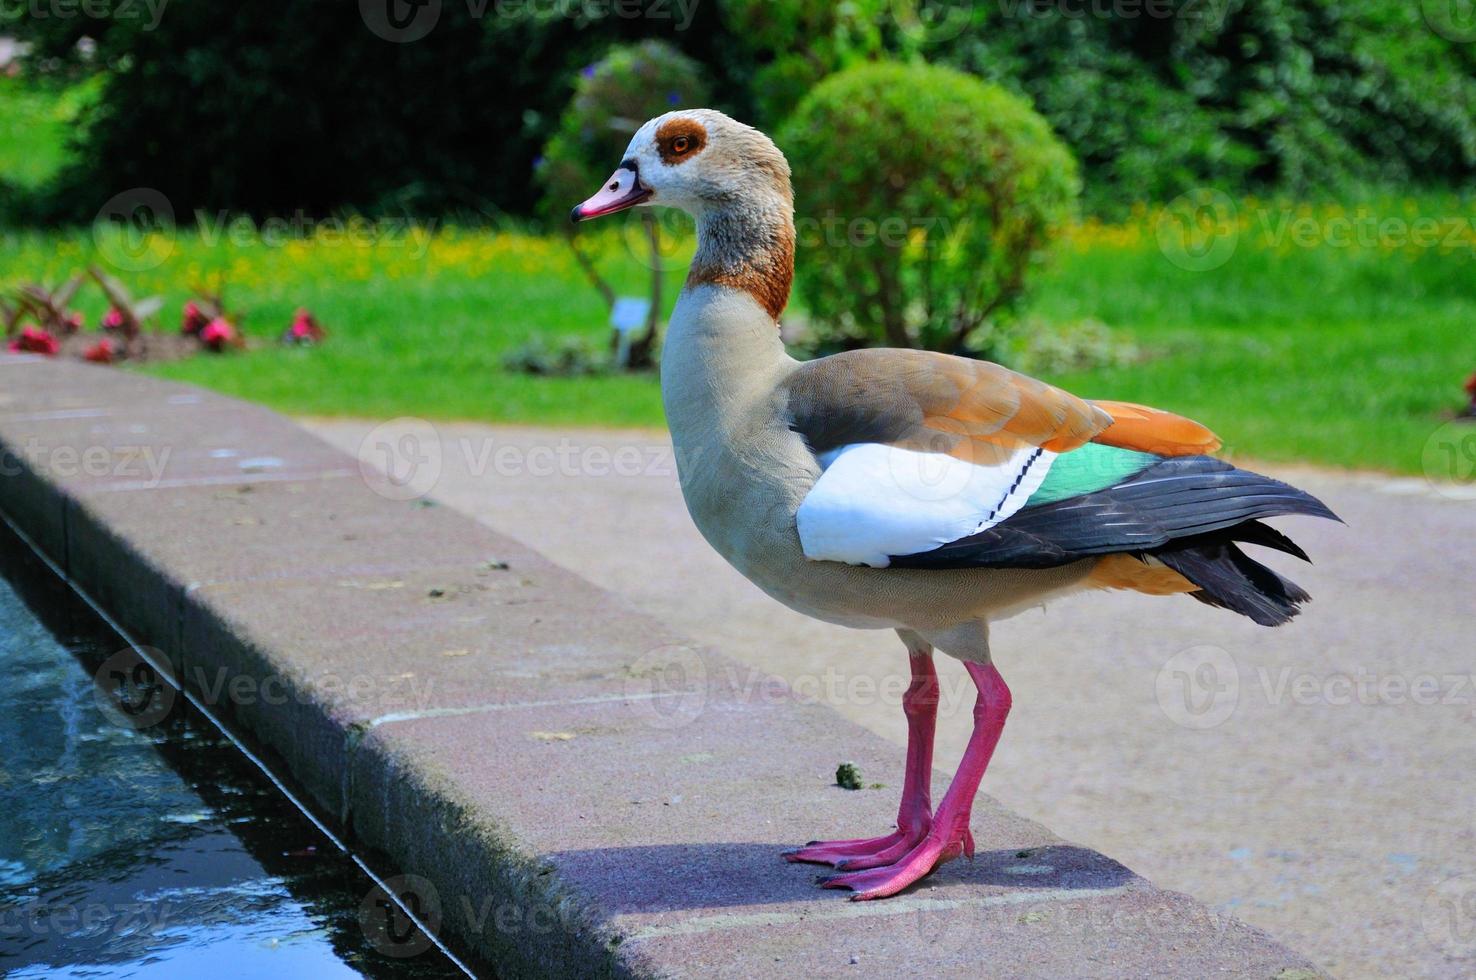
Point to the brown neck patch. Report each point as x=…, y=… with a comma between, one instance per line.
x=765, y=271
x=679, y=140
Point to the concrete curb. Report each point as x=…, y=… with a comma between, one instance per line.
x=567, y=788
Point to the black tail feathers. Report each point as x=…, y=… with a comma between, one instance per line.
x=1230, y=579
x=1190, y=512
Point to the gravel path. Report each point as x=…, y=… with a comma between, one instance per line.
x=1315, y=780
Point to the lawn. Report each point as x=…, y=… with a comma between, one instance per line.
x=1305, y=344
x=1349, y=355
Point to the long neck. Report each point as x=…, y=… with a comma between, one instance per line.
x=748, y=245
x=721, y=361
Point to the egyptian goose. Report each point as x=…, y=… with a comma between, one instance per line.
x=919, y=492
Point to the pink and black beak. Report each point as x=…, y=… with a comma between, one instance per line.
x=622, y=191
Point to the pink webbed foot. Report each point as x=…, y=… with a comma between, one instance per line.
x=852, y=854
x=881, y=881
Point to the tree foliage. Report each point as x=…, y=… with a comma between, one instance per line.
x=798, y=42
x=271, y=107
x=1304, y=96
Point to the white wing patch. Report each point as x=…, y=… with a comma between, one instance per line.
x=874, y=501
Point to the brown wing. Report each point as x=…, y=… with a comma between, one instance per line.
x=928, y=402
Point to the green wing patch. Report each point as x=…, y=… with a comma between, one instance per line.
x=1087, y=469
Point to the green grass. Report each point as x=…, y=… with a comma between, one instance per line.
x=1341, y=356
x=417, y=325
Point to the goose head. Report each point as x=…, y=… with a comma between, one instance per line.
x=698, y=160
x=732, y=179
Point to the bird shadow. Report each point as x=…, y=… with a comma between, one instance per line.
x=674, y=877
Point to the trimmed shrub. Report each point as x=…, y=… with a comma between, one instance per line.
x=925, y=198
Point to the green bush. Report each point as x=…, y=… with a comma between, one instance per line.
x=1304, y=96
x=612, y=98
x=924, y=199
x=560, y=357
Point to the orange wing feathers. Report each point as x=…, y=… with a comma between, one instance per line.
x=973, y=410
x=1152, y=430
x=1121, y=571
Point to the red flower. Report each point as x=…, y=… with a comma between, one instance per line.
x=194, y=319
x=101, y=352
x=218, y=334
x=34, y=340
x=114, y=319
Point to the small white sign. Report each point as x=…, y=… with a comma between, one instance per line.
x=630, y=313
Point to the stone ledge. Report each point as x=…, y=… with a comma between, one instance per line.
x=577, y=790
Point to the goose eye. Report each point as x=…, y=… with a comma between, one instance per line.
x=681, y=144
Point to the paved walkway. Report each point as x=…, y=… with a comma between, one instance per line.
x=1314, y=780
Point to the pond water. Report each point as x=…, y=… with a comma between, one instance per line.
x=154, y=850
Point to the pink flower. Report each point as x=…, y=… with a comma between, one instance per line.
x=101, y=352
x=194, y=319
x=218, y=333
x=304, y=330
x=114, y=319
x=34, y=340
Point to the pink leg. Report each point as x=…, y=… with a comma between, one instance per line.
x=949, y=835
x=914, y=817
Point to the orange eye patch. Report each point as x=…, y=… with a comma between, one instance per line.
x=680, y=140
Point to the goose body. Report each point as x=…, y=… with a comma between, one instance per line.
x=746, y=474
x=920, y=492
